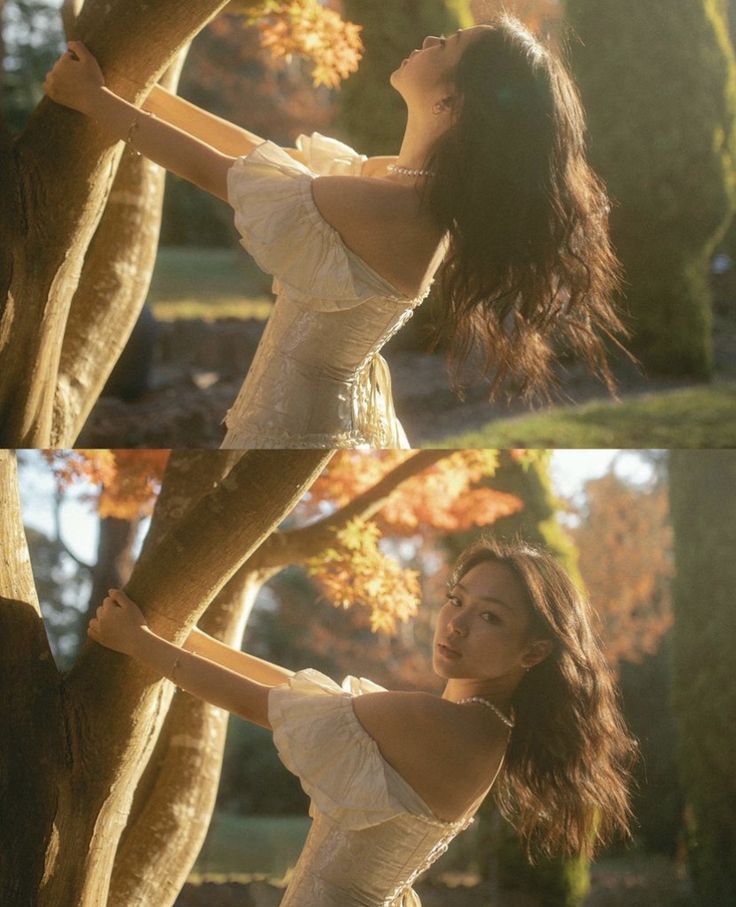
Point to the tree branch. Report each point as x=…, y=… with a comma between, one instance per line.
x=297, y=545
x=16, y=576
x=173, y=582
x=70, y=11
x=190, y=474
x=56, y=188
x=113, y=285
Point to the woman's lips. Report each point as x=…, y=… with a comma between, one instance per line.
x=447, y=652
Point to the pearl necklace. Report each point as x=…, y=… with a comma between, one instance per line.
x=509, y=722
x=406, y=171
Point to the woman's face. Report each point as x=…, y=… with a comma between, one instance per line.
x=482, y=630
x=427, y=72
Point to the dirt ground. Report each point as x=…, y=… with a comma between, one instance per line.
x=199, y=367
x=647, y=882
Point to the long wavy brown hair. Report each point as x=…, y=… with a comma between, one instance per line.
x=565, y=779
x=530, y=272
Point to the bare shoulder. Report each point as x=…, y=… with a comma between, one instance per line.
x=395, y=713
x=339, y=194
x=384, y=223
x=426, y=739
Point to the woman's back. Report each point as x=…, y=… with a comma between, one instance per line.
x=372, y=834
x=317, y=379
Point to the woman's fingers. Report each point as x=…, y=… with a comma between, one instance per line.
x=118, y=596
x=79, y=48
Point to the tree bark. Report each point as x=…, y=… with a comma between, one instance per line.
x=54, y=185
x=33, y=742
x=175, y=798
x=101, y=721
x=113, y=285
x=296, y=545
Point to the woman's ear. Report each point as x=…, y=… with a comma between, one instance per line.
x=537, y=652
x=444, y=105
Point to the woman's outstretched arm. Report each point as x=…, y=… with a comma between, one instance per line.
x=226, y=137
x=120, y=625
x=77, y=81
x=203, y=678
x=241, y=662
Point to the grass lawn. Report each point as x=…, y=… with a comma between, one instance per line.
x=244, y=848
x=208, y=283
x=265, y=848
x=694, y=417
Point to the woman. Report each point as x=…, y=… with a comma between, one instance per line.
x=528, y=709
x=491, y=184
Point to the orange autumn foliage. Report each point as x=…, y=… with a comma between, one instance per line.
x=356, y=572
x=626, y=559
x=358, y=568
x=309, y=29
x=128, y=480
x=445, y=497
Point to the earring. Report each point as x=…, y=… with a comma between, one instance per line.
x=438, y=108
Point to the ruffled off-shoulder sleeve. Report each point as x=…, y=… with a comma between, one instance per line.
x=330, y=157
x=319, y=739
x=282, y=228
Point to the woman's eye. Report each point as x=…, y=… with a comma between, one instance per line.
x=490, y=617
x=453, y=600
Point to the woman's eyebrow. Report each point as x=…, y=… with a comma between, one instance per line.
x=486, y=598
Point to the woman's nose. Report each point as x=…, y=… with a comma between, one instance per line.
x=457, y=628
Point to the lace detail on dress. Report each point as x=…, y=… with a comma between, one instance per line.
x=404, y=895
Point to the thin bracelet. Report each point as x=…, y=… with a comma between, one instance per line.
x=132, y=127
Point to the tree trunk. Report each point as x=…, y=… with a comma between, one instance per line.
x=176, y=795
x=33, y=745
x=114, y=557
x=55, y=180
x=113, y=285
x=89, y=747
x=703, y=506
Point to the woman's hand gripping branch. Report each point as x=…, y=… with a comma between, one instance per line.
x=78, y=82
x=119, y=624
x=75, y=79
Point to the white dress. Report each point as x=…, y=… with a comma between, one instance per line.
x=371, y=834
x=317, y=379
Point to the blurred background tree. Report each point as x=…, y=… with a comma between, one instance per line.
x=659, y=87
x=703, y=501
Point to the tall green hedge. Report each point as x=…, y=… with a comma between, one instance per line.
x=658, y=84
x=372, y=114
x=703, y=506
x=559, y=882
